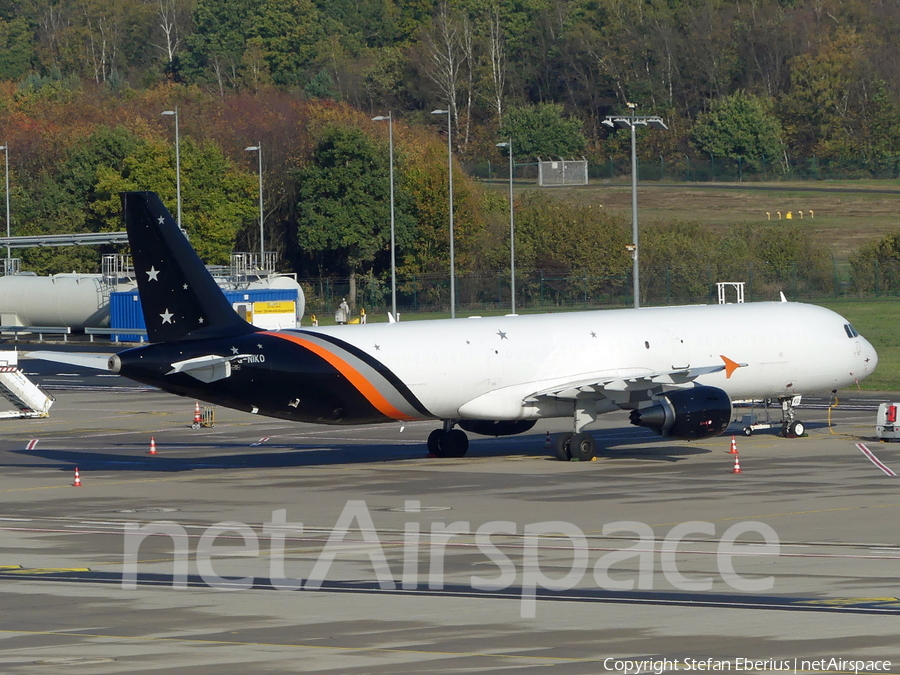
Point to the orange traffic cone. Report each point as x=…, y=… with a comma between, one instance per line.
x=77, y=482
x=737, y=465
x=547, y=442
x=733, y=450
x=197, y=419
x=152, y=450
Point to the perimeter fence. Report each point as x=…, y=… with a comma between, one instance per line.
x=546, y=290
x=684, y=168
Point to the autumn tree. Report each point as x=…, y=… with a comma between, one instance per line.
x=343, y=212
x=235, y=42
x=741, y=127
x=218, y=200
x=543, y=131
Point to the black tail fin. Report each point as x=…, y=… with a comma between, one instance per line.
x=179, y=297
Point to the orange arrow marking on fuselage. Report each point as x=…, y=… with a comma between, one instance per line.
x=730, y=366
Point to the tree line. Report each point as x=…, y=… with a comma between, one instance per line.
x=327, y=201
x=756, y=81
x=761, y=83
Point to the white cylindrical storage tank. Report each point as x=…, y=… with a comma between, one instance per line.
x=74, y=300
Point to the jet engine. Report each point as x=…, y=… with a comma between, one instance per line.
x=496, y=428
x=692, y=414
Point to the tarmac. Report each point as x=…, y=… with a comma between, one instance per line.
x=505, y=560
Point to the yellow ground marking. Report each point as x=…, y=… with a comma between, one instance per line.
x=239, y=643
x=846, y=602
x=19, y=570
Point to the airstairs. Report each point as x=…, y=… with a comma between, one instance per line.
x=24, y=394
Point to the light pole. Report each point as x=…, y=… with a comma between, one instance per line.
x=632, y=121
x=262, y=247
x=512, y=229
x=5, y=148
x=177, y=162
x=390, y=120
x=452, y=252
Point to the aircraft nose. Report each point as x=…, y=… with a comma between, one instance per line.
x=870, y=356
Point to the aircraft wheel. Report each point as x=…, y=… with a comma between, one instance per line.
x=583, y=447
x=434, y=442
x=561, y=445
x=795, y=429
x=748, y=431
x=455, y=443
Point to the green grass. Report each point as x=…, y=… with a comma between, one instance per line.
x=843, y=221
x=879, y=322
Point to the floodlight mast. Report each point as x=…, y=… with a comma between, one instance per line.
x=262, y=237
x=177, y=163
x=512, y=229
x=450, y=172
x=390, y=121
x=632, y=121
x=5, y=148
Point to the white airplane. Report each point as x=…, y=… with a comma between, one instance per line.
x=676, y=368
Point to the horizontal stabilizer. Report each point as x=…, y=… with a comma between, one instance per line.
x=95, y=361
x=210, y=368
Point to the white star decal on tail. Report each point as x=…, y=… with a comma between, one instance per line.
x=167, y=316
x=161, y=220
x=153, y=274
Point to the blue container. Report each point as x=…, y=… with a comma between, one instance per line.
x=125, y=312
x=125, y=307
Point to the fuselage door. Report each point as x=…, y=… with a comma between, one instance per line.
x=681, y=358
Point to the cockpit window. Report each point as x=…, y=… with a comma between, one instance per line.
x=850, y=330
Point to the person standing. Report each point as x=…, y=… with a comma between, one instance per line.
x=342, y=315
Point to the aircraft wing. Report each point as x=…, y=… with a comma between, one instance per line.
x=619, y=387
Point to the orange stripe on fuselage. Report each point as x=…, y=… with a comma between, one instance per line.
x=355, y=378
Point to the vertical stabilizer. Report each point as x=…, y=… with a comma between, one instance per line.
x=179, y=297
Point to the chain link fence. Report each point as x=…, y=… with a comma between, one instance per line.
x=687, y=168
x=546, y=290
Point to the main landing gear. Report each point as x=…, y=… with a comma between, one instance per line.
x=790, y=426
x=448, y=442
x=578, y=445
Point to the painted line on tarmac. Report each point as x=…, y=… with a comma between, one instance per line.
x=546, y=660
x=787, y=513
x=871, y=606
x=872, y=458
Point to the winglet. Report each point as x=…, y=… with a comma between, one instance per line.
x=730, y=366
